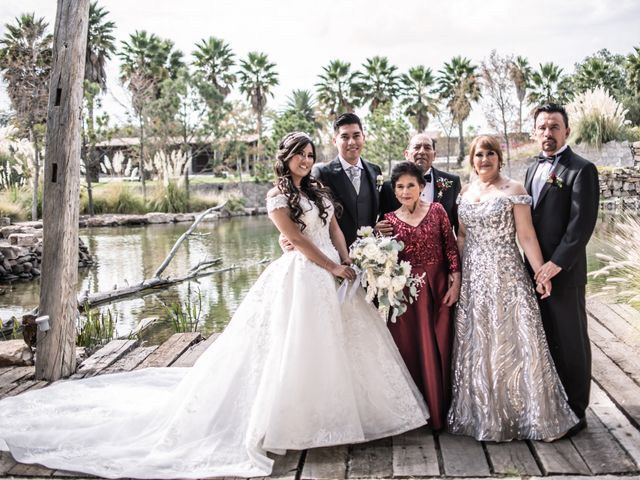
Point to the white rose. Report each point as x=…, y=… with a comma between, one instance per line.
x=406, y=268
x=383, y=281
x=370, y=250
x=364, y=232
x=398, y=283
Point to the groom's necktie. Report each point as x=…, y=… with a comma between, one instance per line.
x=354, y=176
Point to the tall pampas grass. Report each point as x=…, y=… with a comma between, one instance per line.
x=622, y=267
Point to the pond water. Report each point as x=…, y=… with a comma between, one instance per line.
x=126, y=255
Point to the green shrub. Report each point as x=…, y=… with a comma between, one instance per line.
x=185, y=317
x=235, y=204
x=170, y=199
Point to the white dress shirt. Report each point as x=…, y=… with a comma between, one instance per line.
x=428, y=192
x=542, y=174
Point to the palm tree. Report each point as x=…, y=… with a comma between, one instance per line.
x=632, y=67
x=214, y=60
x=458, y=86
x=520, y=75
x=25, y=62
x=257, y=79
x=547, y=85
x=146, y=61
x=417, y=85
x=339, y=88
x=302, y=101
x=380, y=82
x=592, y=74
x=100, y=46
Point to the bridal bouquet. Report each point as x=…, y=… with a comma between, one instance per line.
x=381, y=274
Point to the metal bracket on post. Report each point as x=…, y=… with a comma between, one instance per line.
x=43, y=323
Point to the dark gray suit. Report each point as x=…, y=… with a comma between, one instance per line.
x=358, y=209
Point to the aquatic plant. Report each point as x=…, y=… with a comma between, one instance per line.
x=95, y=329
x=185, y=316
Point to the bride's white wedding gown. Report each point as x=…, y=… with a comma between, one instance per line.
x=294, y=369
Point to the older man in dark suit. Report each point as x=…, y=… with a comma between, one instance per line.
x=441, y=187
x=352, y=180
x=565, y=192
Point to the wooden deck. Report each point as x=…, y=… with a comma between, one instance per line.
x=610, y=447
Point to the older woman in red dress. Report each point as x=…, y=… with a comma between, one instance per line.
x=424, y=332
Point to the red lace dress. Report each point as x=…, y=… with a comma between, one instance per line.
x=424, y=332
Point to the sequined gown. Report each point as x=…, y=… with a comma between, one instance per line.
x=423, y=333
x=294, y=369
x=504, y=385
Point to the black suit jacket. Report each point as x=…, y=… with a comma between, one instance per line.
x=332, y=175
x=447, y=198
x=565, y=216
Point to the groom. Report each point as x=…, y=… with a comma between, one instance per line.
x=352, y=180
x=565, y=192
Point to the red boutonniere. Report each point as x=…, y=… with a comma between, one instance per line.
x=555, y=180
x=443, y=185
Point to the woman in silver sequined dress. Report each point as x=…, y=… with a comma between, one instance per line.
x=505, y=385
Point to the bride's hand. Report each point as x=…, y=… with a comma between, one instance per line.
x=544, y=288
x=344, y=271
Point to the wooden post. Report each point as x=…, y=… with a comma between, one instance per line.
x=55, y=356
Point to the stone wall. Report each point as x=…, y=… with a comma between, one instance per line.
x=620, y=189
x=21, y=252
x=612, y=154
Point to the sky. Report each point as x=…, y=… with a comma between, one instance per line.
x=302, y=36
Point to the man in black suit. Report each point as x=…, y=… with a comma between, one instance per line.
x=441, y=187
x=565, y=192
x=352, y=180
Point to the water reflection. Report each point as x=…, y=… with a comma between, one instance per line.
x=127, y=255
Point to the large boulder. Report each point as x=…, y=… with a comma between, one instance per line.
x=15, y=353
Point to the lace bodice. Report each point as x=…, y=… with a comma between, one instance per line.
x=316, y=229
x=490, y=224
x=431, y=242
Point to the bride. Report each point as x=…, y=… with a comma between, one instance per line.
x=294, y=369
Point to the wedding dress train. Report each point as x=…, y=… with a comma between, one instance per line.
x=294, y=369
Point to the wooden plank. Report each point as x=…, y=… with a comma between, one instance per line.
x=28, y=385
x=462, y=456
x=188, y=358
x=286, y=466
x=170, y=350
x=414, y=454
x=560, y=457
x=14, y=374
x=630, y=314
x=621, y=330
x=326, y=463
x=131, y=360
x=512, y=458
x=600, y=450
x=30, y=470
x=371, y=460
x=627, y=358
x=617, y=384
x=103, y=358
x=6, y=463
x=616, y=422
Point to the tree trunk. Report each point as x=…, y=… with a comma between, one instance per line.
x=259, y=158
x=56, y=347
x=141, y=162
x=36, y=173
x=89, y=154
x=460, y=144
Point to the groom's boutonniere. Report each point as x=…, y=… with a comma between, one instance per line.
x=379, y=182
x=443, y=185
x=555, y=180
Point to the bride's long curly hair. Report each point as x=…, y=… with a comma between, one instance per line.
x=292, y=144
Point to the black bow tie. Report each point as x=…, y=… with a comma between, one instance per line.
x=427, y=177
x=550, y=158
